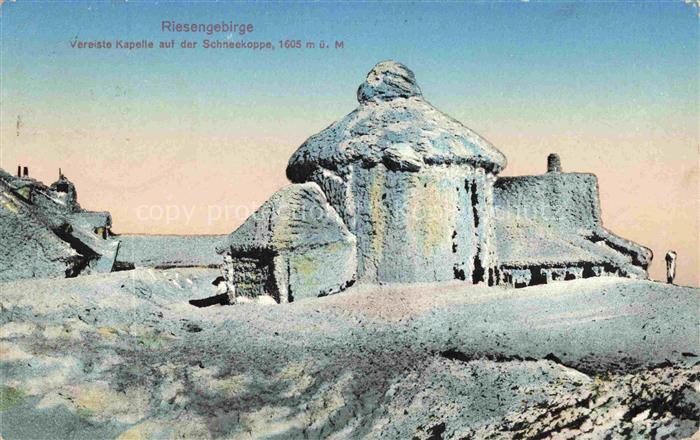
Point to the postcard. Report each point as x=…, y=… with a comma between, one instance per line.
x=349, y=220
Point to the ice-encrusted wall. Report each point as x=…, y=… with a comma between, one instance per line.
x=415, y=193
x=413, y=185
x=293, y=247
x=569, y=241
x=430, y=224
x=29, y=249
x=45, y=233
x=563, y=200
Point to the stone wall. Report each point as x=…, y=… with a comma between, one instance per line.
x=562, y=200
x=294, y=246
x=253, y=275
x=524, y=276
x=318, y=271
x=29, y=249
x=431, y=224
x=290, y=276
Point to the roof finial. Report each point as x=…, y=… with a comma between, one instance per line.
x=388, y=80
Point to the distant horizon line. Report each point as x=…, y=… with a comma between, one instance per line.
x=166, y=235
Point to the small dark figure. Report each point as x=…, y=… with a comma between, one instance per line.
x=19, y=170
x=26, y=171
x=670, y=266
x=221, y=298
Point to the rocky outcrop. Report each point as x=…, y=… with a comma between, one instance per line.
x=294, y=246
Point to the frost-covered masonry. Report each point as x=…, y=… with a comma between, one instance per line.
x=420, y=193
x=295, y=246
x=550, y=228
x=45, y=233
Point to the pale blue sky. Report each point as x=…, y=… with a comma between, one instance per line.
x=647, y=51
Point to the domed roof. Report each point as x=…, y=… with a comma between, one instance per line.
x=394, y=125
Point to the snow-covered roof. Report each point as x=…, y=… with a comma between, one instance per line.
x=295, y=216
x=394, y=125
x=29, y=246
x=555, y=206
x=58, y=212
x=524, y=242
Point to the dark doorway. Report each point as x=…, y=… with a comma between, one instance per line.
x=254, y=274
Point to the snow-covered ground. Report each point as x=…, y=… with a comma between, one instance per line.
x=124, y=355
x=169, y=250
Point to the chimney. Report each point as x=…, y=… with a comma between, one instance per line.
x=26, y=171
x=553, y=163
x=671, y=257
x=19, y=170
